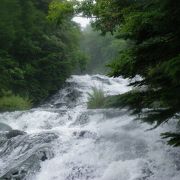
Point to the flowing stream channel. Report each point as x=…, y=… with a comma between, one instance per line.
x=63, y=140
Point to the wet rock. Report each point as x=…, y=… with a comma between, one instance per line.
x=23, y=154
x=14, y=133
x=65, y=97
x=85, y=134
x=5, y=135
x=82, y=119
x=3, y=139
x=4, y=127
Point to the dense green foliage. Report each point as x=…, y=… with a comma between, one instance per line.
x=100, y=49
x=38, y=47
x=152, y=29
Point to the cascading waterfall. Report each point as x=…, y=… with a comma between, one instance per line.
x=63, y=140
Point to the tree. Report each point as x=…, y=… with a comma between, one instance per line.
x=38, y=44
x=100, y=49
x=153, y=30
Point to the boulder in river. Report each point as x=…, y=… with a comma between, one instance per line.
x=14, y=133
x=4, y=127
x=29, y=151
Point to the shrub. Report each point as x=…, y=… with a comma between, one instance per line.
x=96, y=99
x=14, y=102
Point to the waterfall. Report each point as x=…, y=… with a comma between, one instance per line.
x=63, y=140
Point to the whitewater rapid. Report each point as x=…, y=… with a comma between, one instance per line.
x=64, y=140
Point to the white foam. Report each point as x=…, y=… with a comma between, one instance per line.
x=116, y=148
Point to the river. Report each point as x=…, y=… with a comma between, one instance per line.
x=63, y=140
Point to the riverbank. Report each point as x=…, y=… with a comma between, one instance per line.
x=10, y=102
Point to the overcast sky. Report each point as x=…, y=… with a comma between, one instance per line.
x=82, y=21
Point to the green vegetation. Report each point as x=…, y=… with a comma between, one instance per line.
x=96, y=99
x=12, y=103
x=39, y=49
x=152, y=31
x=100, y=49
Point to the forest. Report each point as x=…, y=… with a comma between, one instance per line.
x=100, y=50
x=37, y=51
x=91, y=99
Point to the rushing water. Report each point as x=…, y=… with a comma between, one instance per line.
x=63, y=140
